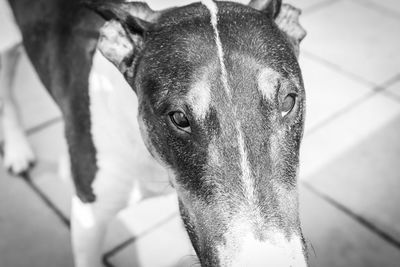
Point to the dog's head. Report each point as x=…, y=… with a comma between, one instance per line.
x=221, y=106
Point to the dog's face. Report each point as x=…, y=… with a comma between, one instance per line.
x=221, y=106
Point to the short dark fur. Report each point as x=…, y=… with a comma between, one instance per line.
x=58, y=36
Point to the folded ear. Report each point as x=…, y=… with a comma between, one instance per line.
x=122, y=36
x=286, y=17
x=288, y=22
x=270, y=7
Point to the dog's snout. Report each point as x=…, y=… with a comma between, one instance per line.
x=277, y=250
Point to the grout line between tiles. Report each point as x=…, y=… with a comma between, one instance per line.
x=377, y=89
x=40, y=126
x=339, y=69
x=107, y=263
x=389, y=82
x=339, y=113
x=26, y=177
x=43, y=125
x=132, y=239
x=392, y=96
x=118, y=248
x=358, y=218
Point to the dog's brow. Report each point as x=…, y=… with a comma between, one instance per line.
x=199, y=97
x=268, y=83
x=212, y=7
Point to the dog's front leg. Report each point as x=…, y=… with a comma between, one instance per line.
x=89, y=225
x=90, y=220
x=88, y=233
x=18, y=155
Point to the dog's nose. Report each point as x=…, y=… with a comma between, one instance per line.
x=277, y=250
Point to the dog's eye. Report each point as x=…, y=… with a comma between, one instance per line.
x=180, y=120
x=288, y=104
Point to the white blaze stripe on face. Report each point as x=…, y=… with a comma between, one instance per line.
x=244, y=164
x=212, y=7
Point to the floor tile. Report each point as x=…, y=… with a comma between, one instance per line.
x=34, y=103
x=345, y=132
x=356, y=38
x=390, y=5
x=30, y=234
x=325, y=99
x=366, y=179
x=338, y=240
x=394, y=89
x=166, y=246
x=49, y=144
x=57, y=191
x=139, y=219
x=149, y=213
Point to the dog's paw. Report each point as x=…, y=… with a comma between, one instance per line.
x=18, y=154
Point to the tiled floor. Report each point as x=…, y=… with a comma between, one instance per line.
x=350, y=174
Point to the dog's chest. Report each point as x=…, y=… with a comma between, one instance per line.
x=120, y=152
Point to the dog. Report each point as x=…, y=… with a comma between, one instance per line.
x=220, y=107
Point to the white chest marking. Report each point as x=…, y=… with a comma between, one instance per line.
x=212, y=7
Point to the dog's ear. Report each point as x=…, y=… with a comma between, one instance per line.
x=288, y=22
x=270, y=7
x=286, y=17
x=121, y=37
